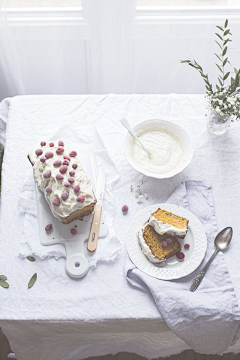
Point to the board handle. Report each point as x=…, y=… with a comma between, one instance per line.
x=93, y=237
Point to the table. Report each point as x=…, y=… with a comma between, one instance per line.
x=124, y=319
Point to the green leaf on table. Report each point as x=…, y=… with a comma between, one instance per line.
x=236, y=71
x=226, y=23
x=224, y=51
x=226, y=75
x=31, y=258
x=219, y=27
x=4, y=284
x=32, y=280
x=184, y=61
x=3, y=277
x=219, y=36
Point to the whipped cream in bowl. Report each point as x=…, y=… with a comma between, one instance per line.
x=168, y=144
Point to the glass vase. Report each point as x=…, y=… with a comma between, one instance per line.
x=218, y=124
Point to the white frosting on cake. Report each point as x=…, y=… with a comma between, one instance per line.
x=162, y=228
x=70, y=205
x=146, y=249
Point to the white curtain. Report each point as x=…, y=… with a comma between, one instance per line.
x=110, y=47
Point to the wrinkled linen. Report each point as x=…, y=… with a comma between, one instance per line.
x=207, y=319
x=109, y=246
x=64, y=319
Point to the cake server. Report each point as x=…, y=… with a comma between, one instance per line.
x=221, y=242
x=93, y=237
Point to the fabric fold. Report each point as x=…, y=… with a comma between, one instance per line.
x=208, y=319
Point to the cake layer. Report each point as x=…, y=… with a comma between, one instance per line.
x=151, y=245
x=60, y=176
x=164, y=222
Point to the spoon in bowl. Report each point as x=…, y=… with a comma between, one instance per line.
x=221, y=242
x=126, y=124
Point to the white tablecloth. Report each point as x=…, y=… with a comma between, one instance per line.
x=108, y=314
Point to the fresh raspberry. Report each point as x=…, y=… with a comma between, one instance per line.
x=67, y=184
x=73, y=231
x=76, y=188
x=38, y=152
x=65, y=162
x=60, y=150
x=73, y=153
x=63, y=169
x=49, y=154
x=43, y=159
x=65, y=195
x=59, y=177
x=67, y=157
x=186, y=246
x=125, y=209
x=51, y=144
x=71, y=180
x=48, y=189
x=48, y=227
x=81, y=198
x=180, y=255
x=74, y=166
x=55, y=201
x=60, y=143
x=57, y=163
x=164, y=244
x=72, y=172
x=168, y=240
x=42, y=143
x=47, y=174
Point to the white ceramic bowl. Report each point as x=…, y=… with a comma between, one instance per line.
x=178, y=130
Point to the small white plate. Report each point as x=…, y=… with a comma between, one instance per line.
x=176, y=129
x=172, y=268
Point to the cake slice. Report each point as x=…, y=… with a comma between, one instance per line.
x=157, y=248
x=164, y=222
x=60, y=176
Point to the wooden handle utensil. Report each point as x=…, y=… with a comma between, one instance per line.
x=93, y=237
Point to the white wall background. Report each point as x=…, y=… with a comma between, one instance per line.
x=111, y=46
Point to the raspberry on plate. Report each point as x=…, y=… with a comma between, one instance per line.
x=180, y=255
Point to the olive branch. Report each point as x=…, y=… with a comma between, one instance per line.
x=225, y=39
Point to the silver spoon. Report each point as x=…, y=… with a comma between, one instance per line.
x=221, y=242
x=126, y=124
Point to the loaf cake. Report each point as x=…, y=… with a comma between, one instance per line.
x=157, y=248
x=60, y=176
x=164, y=222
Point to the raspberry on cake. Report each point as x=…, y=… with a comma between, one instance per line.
x=68, y=198
x=164, y=222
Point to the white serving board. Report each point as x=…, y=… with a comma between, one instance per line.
x=77, y=264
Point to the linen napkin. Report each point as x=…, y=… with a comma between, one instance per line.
x=207, y=319
x=108, y=247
